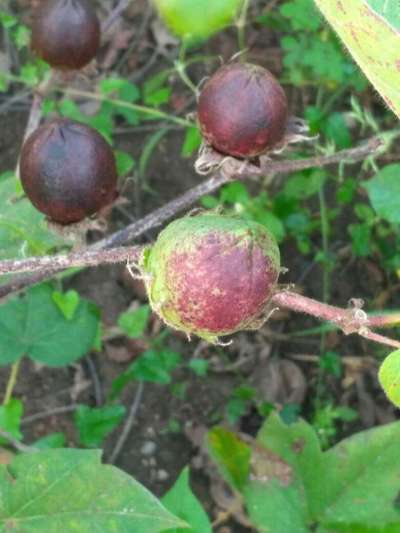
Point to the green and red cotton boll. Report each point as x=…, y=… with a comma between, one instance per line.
x=211, y=275
x=242, y=110
x=65, y=33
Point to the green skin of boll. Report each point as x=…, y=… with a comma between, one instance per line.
x=196, y=20
x=211, y=275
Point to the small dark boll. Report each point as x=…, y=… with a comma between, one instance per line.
x=242, y=110
x=65, y=33
x=211, y=275
x=68, y=171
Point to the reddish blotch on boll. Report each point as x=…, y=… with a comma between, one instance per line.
x=68, y=170
x=65, y=33
x=242, y=110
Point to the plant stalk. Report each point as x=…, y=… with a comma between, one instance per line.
x=12, y=380
x=351, y=320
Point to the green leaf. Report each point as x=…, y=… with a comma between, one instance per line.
x=125, y=162
x=30, y=74
x=181, y=501
x=111, y=85
x=156, y=82
x=209, y=202
x=54, y=440
x=320, y=59
x=384, y=193
x=155, y=366
x=192, y=141
x=123, y=90
x=103, y=121
x=269, y=220
x=286, y=471
x=134, y=323
x=127, y=91
x=67, y=302
x=7, y=20
x=21, y=36
x=364, y=212
x=71, y=491
x=389, y=377
x=33, y=325
x=331, y=362
x=351, y=487
x=337, y=130
x=10, y=418
x=231, y=454
x=94, y=424
x=68, y=108
x=159, y=97
x=23, y=230
x=305, y=184
x=3, y=83
x=273, y=509
x=367, y=488
x=238, y=404
x=98, y=341
x=235, y=193
x=370, y=31
x=346, y=191
x=361, y=239
x=289, y=414
x=199, y=366
x=301, y=14
x=235, y=409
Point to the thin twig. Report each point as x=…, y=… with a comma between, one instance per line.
x=35, y=114
x=19, y=446
x=85, y=258
x=51, y=412
x=98, y=393
x=351, y=320
x=114, y=15
x=162, y=214
x=12, y=380
x=353, y=155
x=238, y=169
x=128, y=424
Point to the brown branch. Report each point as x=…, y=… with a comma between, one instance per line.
x=128, y=424
x=16, y=444
x=358, y=153
x=114, y=15
x=162, y=214
x=351, y=320
x=209, y=159
x=169, y=210
x=35, y=114
x=85, y=258
x=45, y=414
